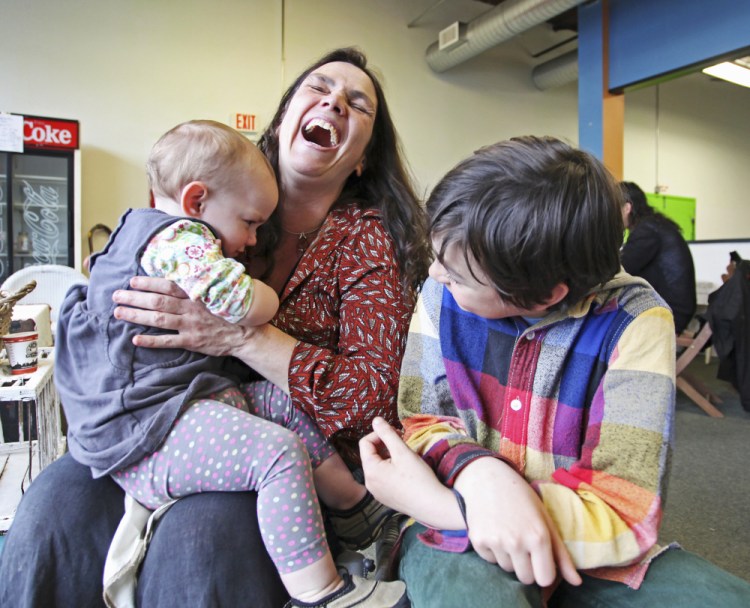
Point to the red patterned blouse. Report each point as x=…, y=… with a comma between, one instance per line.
x=346, y=305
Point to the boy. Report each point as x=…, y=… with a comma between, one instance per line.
x=538, y=388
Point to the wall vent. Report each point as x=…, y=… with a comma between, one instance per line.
x=452, y=36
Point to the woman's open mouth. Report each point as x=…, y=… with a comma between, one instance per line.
x=321, y=132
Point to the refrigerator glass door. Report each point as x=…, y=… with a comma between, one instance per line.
x=40, y=220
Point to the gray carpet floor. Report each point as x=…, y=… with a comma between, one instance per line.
x=708, y=503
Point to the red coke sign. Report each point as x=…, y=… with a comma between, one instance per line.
x=50, y=133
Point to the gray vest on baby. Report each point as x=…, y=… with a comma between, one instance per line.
x=120, y=401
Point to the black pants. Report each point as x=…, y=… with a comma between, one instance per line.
x=206, y=550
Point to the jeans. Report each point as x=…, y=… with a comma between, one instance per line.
x=675, y=578
x=206, y=550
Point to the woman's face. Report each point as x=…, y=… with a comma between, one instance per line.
x=327, y=124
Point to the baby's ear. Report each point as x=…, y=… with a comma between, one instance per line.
x=193, y=199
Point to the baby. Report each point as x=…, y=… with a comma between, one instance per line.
x=167, y=423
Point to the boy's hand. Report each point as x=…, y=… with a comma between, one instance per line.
x=509, y=526
x=399, y=478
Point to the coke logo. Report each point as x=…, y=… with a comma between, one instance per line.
x=40, y=133
x=46, y=134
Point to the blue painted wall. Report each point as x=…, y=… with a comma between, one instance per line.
x=649, y=39
x=590, y=78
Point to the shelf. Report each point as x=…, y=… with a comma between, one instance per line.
x=25, y=205
x=47, y=178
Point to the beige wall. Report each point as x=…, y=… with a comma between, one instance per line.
x=693, y=137
x=129, y=70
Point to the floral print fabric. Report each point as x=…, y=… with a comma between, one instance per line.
x=346, y=305
x=189, y=254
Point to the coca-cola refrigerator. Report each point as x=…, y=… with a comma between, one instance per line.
x=40, y=203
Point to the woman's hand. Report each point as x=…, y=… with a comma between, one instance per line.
x=509, y=526
x=160, y=303
x=399, y=478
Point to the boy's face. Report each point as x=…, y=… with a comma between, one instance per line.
x=474, y=295
x=238, y=211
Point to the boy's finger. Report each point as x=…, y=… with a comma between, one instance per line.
x=543, y=565
x=368, y=446
x=388, y=435
x=565, y=565
x=569, y=572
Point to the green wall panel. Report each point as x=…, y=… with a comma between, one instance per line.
x=681, y=209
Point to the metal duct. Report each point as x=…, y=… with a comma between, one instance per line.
x=495, y=26
x=556, y=72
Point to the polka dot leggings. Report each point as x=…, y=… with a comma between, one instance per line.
x=218, y=446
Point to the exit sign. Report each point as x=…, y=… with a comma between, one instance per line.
x=245, y=122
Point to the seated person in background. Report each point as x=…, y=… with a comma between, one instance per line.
x=538, y=388
x=734, y=259
x=656, y=251
x=170, y=423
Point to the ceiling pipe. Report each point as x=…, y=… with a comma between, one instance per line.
x=556, y=72
x=495, y=26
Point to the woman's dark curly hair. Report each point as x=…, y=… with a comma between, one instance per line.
x=385, y=183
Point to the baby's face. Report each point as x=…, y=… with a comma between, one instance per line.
x=237, y=212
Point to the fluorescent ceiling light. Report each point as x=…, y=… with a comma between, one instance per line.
x=737, y=71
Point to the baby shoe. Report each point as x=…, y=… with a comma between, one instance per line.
x=360, y=526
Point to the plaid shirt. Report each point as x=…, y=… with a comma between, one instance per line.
x=580, y=403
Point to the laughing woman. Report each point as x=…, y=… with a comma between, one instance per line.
x=346, y=252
